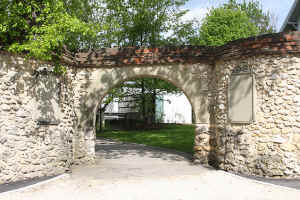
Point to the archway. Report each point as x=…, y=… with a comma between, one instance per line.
x=98, y=82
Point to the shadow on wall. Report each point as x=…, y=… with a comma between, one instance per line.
x=48, y=104
x=32, y=134
x=47, y=97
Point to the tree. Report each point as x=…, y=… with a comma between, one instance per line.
x=222, y=25
x=41, y=28
x=150, y=89
x=142, y=93
x=115, y=95
x=263, y=20
x=184, y=33
x=138, y=23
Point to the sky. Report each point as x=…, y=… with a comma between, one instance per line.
x=280, y=8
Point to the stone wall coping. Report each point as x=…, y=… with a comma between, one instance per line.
x=269, y=44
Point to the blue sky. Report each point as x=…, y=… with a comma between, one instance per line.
x=280, y=8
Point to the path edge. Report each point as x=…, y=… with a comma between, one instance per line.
x=37, y=185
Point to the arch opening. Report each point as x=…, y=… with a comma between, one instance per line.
x=144, y=86
x=100, y=82
x=174, y=84
x=147, y=104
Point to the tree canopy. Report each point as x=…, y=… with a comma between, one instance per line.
x=142, y=93
x=41, y=28
x=138, y=23
x=222, y=25
x=234, y=20
x=264, y=21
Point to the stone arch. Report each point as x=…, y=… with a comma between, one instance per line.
x=98, y=82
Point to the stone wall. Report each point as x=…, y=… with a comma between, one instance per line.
x=47, y=121
x=35, y=133
x=271, y=145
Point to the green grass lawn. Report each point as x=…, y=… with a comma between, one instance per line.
x=177, y=137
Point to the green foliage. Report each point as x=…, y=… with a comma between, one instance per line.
x=144, y=91
x=176, y=137
x=59, y=69
x=222, y=25
x=263, y=20
x=40, y=28
x=114, y=95
x=151, y=85
x=138, y=23
x=234, y=20
x=184, y=33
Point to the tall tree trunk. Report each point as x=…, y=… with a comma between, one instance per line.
x=153, y=106
x=101, y=120
x=143, y=102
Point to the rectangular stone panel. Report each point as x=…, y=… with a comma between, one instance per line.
x=241, y=98
x=46, y=99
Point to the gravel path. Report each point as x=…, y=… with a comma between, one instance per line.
x=137, y=172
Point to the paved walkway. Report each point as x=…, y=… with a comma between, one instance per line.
x=137, y=172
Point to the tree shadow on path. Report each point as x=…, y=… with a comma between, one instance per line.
x=110, y=149
x=113, y=150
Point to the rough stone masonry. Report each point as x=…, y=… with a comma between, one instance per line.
x=47, y=120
